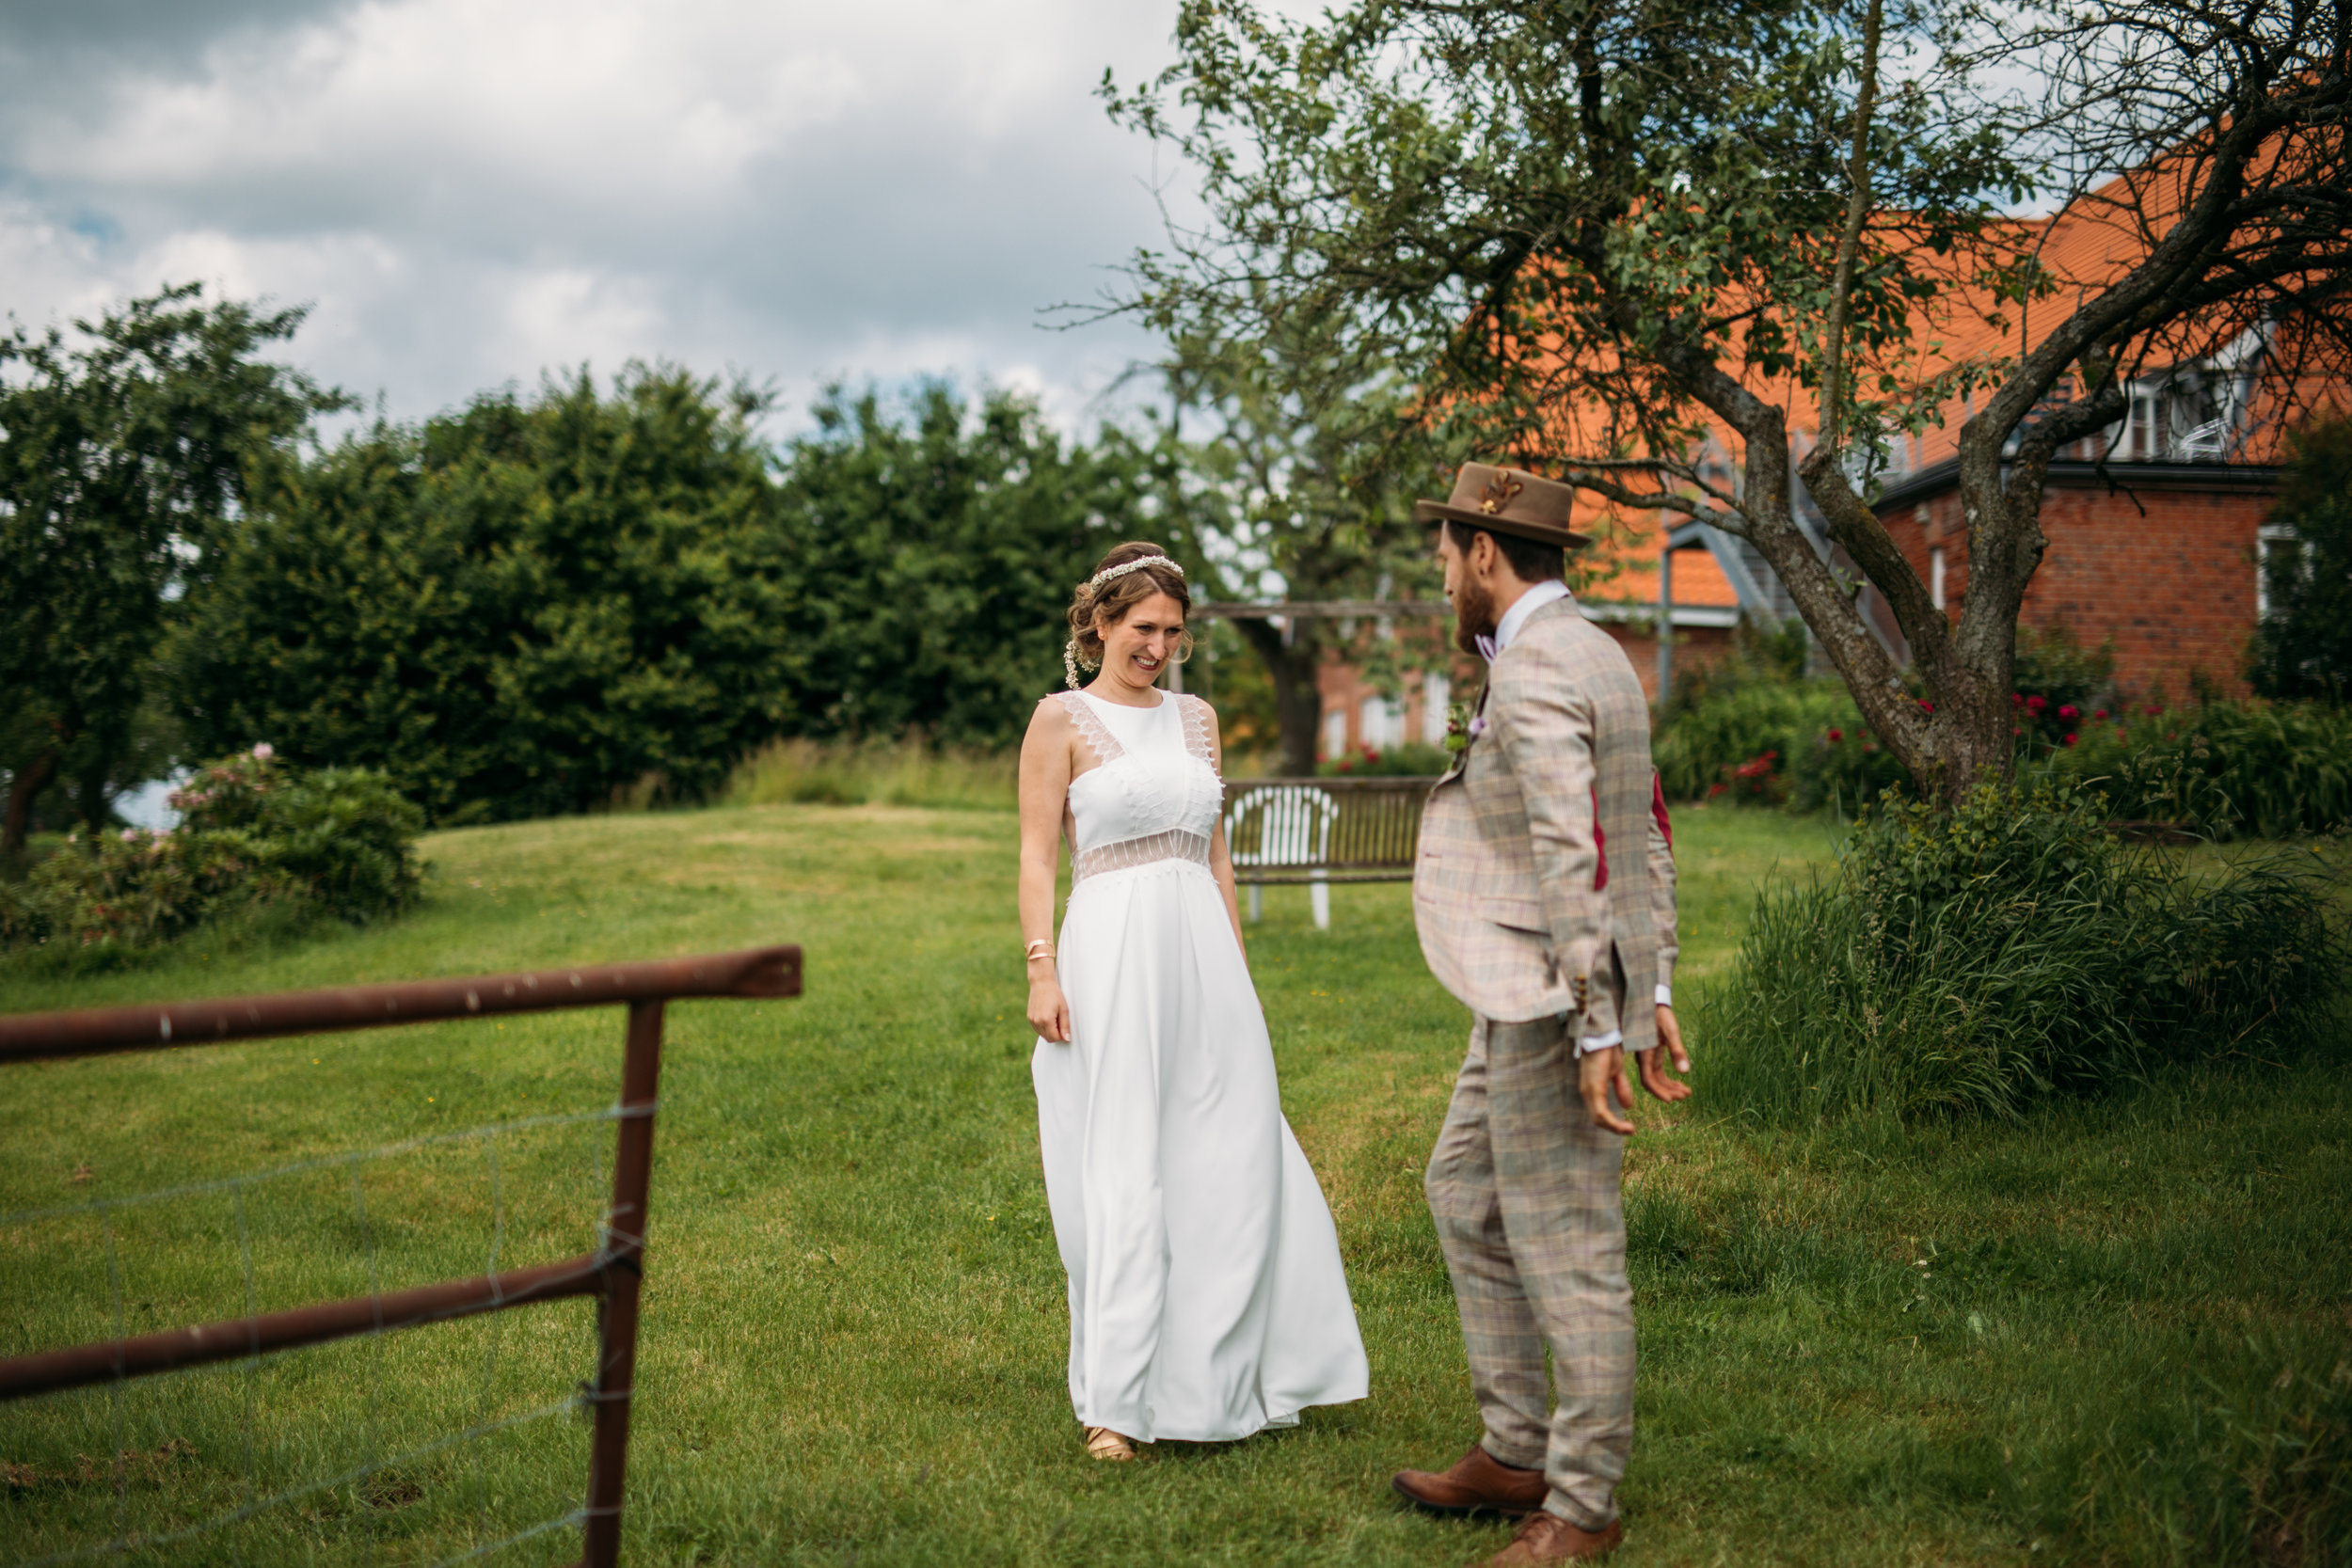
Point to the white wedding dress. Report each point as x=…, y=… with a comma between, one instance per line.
x=1207, y=1300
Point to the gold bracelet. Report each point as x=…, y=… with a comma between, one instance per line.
x=1034, y=953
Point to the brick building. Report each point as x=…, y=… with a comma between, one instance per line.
x=1624, y=598
x=2161, y=560
x=2154, y=526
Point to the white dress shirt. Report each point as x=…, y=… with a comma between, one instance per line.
x=1529, y=603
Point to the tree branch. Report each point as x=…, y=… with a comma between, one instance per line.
x=1832, y=411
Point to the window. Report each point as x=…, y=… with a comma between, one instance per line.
x=1936, y=576
x=1436, y=693
x=2269, y=543
x=1334, y=731
x=1380, y=724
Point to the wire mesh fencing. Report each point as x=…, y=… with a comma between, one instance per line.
x=324, y=1417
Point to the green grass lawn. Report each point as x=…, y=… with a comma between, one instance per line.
x=1986, y=1344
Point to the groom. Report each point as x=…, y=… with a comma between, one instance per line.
x=1544, y=894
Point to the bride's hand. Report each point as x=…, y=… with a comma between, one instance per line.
x=1049, y=1011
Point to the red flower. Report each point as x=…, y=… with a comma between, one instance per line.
x=2070, y=712
x=2101, y=714
x=2070, y=737
x=2152, y=711
x=1347, y=764
x=1836, y=736
x=2016, y=700
x=2036, y=703
x=1371, y=755
x=1926, y=706
x=2118, y=732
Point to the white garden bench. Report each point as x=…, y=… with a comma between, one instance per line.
x=1318, y=832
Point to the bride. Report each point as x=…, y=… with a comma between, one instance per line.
x=1206, y=1297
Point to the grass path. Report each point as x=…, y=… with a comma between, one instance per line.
x=855, y=1329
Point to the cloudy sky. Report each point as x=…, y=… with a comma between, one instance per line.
x=472, y=191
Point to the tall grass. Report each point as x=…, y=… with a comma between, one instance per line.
x=2227, y=770
x=1966, y=963
x=905, y=772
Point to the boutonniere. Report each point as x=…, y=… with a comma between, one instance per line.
x=1462, y=726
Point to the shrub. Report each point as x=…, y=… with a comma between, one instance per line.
x=1961, y=963
x=2062, y=687
x=1800, y=743
x=1410, y=760
x=136, y=888
x=253, y=832
x=2222, y=771
x=890, y=773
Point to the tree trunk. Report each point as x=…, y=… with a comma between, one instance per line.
x=1298, y=695
x=91, y=803
x=1961, y=735
x=21, y=794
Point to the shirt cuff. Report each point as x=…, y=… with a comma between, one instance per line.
x=1590, y=1043
x=1665, y=996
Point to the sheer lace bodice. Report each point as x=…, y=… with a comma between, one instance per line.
x=1154, y=795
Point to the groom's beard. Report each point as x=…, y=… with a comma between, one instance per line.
x=1473, y=614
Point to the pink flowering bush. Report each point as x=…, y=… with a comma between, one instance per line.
x=1409, y=760
x=254, y=832
x=137, y=888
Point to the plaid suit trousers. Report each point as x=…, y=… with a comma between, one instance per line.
x=1524, y=1191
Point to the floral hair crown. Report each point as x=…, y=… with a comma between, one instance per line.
x=1107, y=573
x=1070, y=660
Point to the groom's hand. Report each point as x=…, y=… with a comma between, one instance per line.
x=1654, y=1075
x=1598, y=1073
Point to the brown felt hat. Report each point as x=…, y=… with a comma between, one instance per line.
x=1508, y=500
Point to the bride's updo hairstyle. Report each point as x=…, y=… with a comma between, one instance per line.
x=1129, y=575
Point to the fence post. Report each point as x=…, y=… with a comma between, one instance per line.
x=624, y=1275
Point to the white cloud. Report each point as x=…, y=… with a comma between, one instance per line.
x=474, y=191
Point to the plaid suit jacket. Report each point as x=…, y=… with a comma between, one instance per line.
x=1541, y=854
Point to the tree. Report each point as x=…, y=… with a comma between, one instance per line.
x=937, y=553
x=1301, y=496
x=514, y=609
x=522, y=607
x=1597, y=227
x=2304, y=646
x=123, y=457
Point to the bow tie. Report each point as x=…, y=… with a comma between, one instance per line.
x=1488, y=650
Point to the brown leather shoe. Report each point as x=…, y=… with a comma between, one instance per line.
x=1547, y=1538
x=1478, y=1484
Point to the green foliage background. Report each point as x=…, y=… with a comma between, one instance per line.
x=128, y=452
x=536, y=606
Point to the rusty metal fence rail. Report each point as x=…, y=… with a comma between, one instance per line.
x=613, y=1274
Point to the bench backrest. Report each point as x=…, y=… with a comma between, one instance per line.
x=1293, y=823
